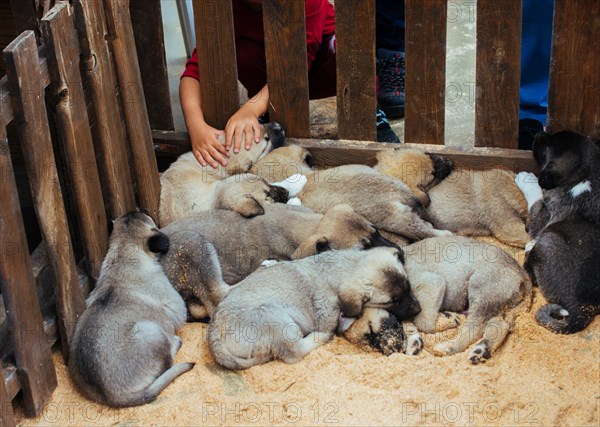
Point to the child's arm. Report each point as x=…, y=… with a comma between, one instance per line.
x=204, y=138
x=244, y=123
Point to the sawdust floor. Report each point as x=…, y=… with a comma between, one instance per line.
x=536, y=378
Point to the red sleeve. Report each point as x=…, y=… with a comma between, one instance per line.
x=319, y=17
x=191, y=67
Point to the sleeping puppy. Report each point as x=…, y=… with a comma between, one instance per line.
x=480, y=203
x=187, y=187
x=282, y=163
x=453, y=274
x=242, y=244
x=287, y=310
x=565, y=223
x=125, y=343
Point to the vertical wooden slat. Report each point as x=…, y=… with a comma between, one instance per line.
x=425, y=71
x=355, y=59
x=134, y=105
x=72, y=119
x=287, y=73
x=32, y=353
x=147, y=25
x=27, y=90
x=7, y=418
x=498, y=73
x=213, y=22
x=108, y=130
x=574, y=88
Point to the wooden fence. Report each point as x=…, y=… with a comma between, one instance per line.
x=77, y=100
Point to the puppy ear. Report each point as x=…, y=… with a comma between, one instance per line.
x=442, y=166
x=248, y=207
x=315, y=244
x=541, y=142
x=352, y=303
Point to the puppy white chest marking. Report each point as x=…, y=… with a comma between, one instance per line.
x=579, y=189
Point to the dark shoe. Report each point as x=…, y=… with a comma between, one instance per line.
x=528, y=129
x=384, y=130
x=390, y=74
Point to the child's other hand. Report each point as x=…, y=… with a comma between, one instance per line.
x=206, y=146
x=242, y=127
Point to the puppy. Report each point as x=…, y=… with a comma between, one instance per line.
x=457, y=273
x=240, y=245
x=187, y=187
x=287, y=310
x=565, y=223
x=124, y=343
x=480, y=203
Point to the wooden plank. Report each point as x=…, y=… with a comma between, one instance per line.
x=498, y=73
x=425, y=76
x=32, y=353
x=574, y=88
x=147, y=24
x=7, y=418
x=355, y=59
x=6, y=109
x=108, y=130
x=72, y=119
x=330, y=153
x=287, y=73
x=134, y=105
x=327, y=152
x=28, y=94
x=213, y=22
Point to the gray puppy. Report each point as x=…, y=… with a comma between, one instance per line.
x=457, y=273
x=124, y=343
x=239, y=245
x=385, y=201
x=287, y=310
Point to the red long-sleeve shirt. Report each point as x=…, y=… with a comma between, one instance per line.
x=320, y=21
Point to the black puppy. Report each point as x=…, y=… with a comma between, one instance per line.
x=565, y=224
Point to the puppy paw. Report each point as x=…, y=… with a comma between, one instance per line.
x=443, y=233
x=444, y=349
x=528, y=184
x=529, y=246
x=448, y=320
x=269, y=263
x=293, y=184
x=480, y=353
x=294, y=201
x=414, y=344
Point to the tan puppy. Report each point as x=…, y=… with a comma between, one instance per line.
x=453, y=274
x=481, y=203
x=188, y=187
x=283, y=162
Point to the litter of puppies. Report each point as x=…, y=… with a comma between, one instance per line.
x=377, y=260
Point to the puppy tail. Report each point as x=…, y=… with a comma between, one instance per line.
x=151, y=392
x=562, y=321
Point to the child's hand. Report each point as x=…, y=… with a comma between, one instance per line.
x=206, y=146
x=242, y=127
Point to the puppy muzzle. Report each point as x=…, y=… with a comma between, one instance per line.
x=274, y=134
x=278, y=194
